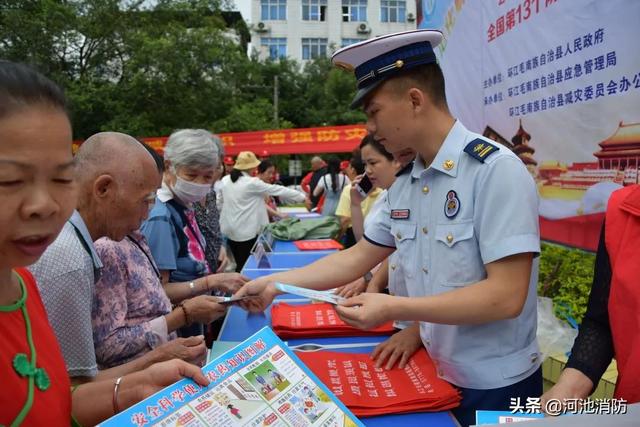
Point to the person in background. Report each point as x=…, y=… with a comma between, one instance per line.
x=38, y=190
x=228, y=164
x=310, y=181
x=381, y=168
x=343, y=210
x=610, y=327
x=266, y=170
x=344, y=166
x=244, y=213
x=331, y=185
x=177, y=246
x=132, y=314
x=208, y=219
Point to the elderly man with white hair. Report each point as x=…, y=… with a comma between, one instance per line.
x=116, y=179
x=177, y=245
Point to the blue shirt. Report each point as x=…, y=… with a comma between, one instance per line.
x=175, y=242
x=447, y=222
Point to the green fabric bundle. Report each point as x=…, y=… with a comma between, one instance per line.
x=296, y=229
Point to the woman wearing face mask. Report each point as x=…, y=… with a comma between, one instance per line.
x=175, y=240
x=244, y=213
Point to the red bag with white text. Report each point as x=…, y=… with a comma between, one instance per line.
x=316, y=320
x=371, y=391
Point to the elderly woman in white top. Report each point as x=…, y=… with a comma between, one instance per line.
x=244, y=212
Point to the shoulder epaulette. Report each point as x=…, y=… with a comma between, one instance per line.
x=480, y=149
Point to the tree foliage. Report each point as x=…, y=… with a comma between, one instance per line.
x=566, y=276
x=148, y=71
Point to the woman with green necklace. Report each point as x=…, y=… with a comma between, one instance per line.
x=37, y=191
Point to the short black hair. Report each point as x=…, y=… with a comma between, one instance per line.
x=22, y=86
x=356, y=162
x=264, y=165
x=156, y=156
x=429, y=78
x=369, y=140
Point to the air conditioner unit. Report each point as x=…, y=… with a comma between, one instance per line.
x=364, y=28
x=410, y=17
x=261, y=27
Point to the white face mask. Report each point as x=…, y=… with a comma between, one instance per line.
x=190, y=192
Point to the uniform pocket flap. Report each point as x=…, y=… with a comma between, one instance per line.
x=403, y=230
x=450, y=234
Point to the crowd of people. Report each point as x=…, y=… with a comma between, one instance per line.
x=114, y=260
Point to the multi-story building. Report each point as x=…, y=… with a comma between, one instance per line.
x=304, y=29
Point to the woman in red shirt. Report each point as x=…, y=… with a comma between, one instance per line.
x=37, y=190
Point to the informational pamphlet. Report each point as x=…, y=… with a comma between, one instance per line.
x=326, y=296
x=260, y=382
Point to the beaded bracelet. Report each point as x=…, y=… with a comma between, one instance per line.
x=187, y=320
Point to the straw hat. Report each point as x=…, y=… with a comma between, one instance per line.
x=246, y=160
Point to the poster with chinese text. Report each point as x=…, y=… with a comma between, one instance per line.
x=260, y=382
x=558, y=82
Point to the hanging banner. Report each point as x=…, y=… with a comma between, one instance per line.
x=329, y=139
x=557, y=81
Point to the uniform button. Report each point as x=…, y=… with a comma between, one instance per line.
x=449, y=237
x=428, y=342
x=425, y=230
x=425, y=270
x=393, y=266
x=398, y=236
x=425, y=189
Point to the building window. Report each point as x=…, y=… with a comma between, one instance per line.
x=354, y=10
x=347, y=42
x=314, y=10
x=274, y=10
x=393, y=10
x=312, y=48
x=277, y=46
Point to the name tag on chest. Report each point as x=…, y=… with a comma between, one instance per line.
x=400, y=213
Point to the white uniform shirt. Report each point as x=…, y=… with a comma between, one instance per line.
x=244, y=211
x=396, y=282
x=447, y=222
